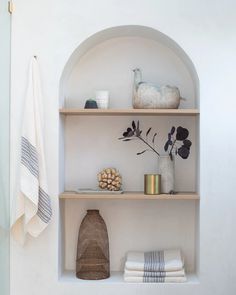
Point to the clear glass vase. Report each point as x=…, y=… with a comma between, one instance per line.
x=167, y=171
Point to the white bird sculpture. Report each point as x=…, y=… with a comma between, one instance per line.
x=149, y=96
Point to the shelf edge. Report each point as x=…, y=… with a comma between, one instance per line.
x=127, y=112
x=128, y=196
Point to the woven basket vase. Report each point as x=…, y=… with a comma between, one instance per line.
x=93, y=248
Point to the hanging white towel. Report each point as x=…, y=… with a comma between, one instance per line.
x=167, y=260
x=33, y=207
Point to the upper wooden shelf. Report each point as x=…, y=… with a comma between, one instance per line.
x=129, y=196
x=129, y=112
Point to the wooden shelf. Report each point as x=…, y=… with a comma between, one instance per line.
x=128, y=196
x=129, y=112
x=117, y=277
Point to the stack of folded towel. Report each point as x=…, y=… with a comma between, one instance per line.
x=155, y=267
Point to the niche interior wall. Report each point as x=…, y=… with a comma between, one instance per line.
x=90, y=143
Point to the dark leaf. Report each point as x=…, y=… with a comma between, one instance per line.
x=133, y=125
x=148, y=131
x=138, y=132
x=182, y=133
x=128, y=133
x=172, y=131
x=171, y=156
x=166, y=145
x=131, y=133
x=187, y=143
x=127, y=139
x=140, y=153
x=154, y=136
x=183, y=152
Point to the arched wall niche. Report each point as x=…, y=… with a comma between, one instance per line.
x=89, y=144
x=133, y=33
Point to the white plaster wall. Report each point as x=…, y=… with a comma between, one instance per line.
x=135, y=226
x=109, y=66
x=4, y=147
x=206, y=31
x=91, y=144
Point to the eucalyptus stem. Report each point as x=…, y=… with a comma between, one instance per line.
x=148, y=145
x=172, y=147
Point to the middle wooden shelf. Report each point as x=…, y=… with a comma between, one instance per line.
x=128, y=196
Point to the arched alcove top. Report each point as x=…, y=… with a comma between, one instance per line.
x=127, y=31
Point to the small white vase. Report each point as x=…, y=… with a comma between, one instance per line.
x=166, y=169
x=102, y=99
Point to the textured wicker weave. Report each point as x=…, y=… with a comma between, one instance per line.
x=93, y=248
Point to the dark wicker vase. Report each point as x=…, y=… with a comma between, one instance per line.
x=92, y=261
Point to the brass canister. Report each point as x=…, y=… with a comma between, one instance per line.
x=152, y=184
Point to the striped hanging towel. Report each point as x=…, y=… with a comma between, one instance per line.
x=33, y=207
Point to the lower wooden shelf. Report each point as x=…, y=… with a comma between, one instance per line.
x=117, y=277
x=129, y=196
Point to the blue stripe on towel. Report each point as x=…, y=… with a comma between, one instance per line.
x=29, y=158
x=154, y=262
x=44, y=206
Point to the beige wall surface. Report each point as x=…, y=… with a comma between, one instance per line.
x=205, y=30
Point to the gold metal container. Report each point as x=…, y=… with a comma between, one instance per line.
x=152, y=184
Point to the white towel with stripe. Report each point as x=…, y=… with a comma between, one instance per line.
x=141, y=273
x=166, y=260
x=155, y=267
x=33, y=207
x=130, y=279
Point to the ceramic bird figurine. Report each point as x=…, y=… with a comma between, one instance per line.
x=149, y=96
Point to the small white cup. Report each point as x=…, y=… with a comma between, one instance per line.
x=102, y=99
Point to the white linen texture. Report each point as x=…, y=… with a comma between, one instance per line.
x=33, y=211
x=165, y=266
